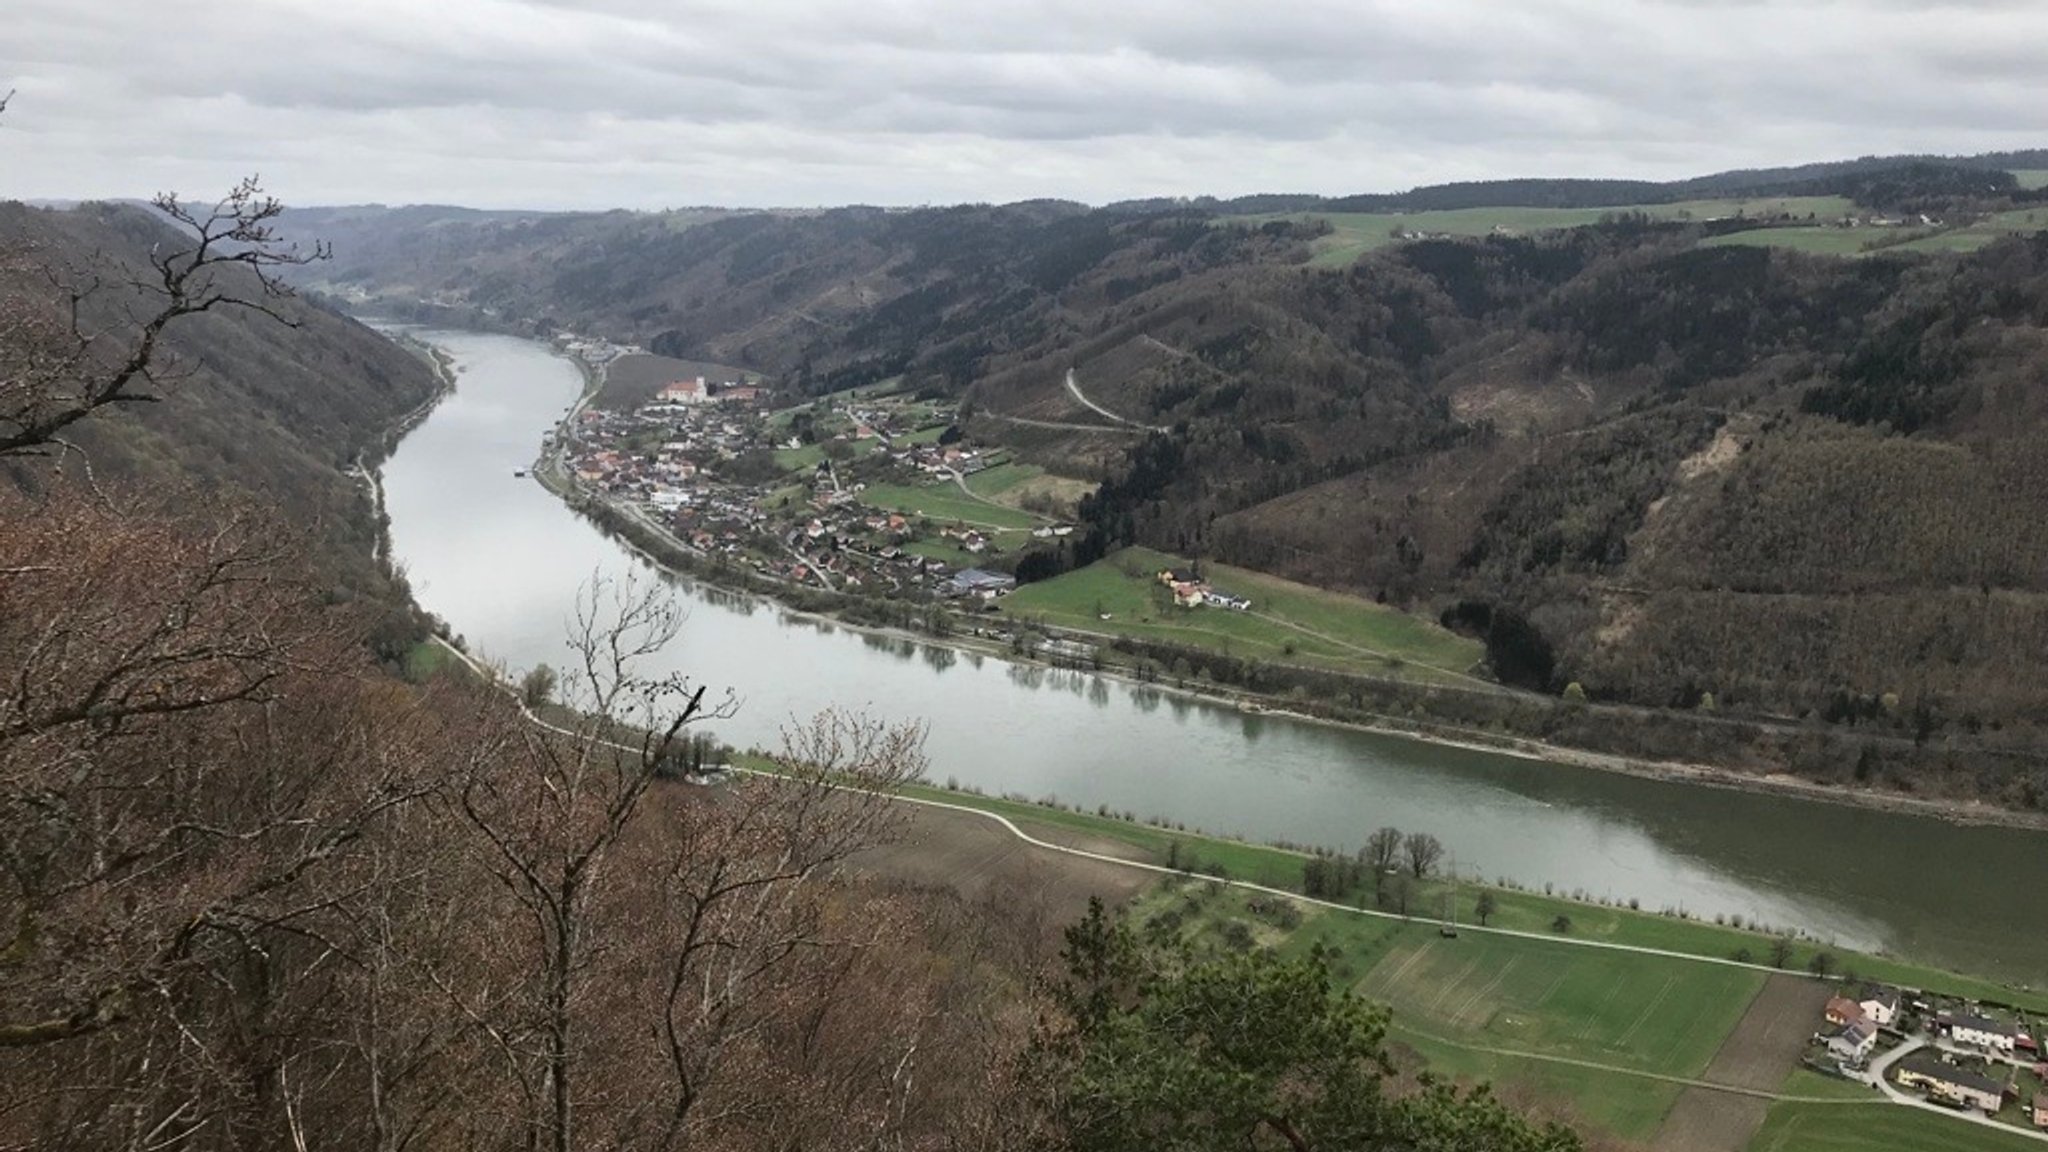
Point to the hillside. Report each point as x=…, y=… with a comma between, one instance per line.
x=1724, y=481
x=249, y=406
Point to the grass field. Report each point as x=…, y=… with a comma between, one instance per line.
x=1867, y=241
x=1834, y=1128
x=2032, y=177
x=990, y=483
x=1015, y=484
x=1287, y=621
x=1821, y=241
x=1469, y=1006
x=1355, y=233
x=945, y=503
x=802, y=459
x=1606, y=1007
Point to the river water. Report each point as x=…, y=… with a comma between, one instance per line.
x=502, y=561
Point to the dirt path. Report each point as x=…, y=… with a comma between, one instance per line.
x=1758, y=1055
x=1074, y=389
x=977, y=858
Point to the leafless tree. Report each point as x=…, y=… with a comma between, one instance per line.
x=1382, y=850
x=724, y=894
x=73, y=341
x=1423, y=852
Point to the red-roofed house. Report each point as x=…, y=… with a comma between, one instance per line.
x=685, y=392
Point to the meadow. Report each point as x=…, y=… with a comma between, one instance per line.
x=1791, y=1127
x=1287, y=622
x=1353, y=234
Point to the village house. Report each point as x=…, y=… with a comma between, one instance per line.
x=1841, y=1010
x=1979, y=1032
x=2041, y=1108
x=1881, y=1004
x=1946, y=1083
x=1851, y=1044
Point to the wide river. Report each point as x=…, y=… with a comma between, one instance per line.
x=502, y=561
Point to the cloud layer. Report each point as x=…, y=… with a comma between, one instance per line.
x=646, y=103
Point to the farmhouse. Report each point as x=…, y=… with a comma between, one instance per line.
x=1946, y=1083
x=2041, y=1109
x=1852, y=1043
x=1978, y=1032
x=1881, y=1004
x=1841, y=1010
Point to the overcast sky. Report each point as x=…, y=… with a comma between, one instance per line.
x=658, y=103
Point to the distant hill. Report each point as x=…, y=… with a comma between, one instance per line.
x=254, y=407
x=1789, y=486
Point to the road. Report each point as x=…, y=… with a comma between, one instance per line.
x=1876, y=1075
x=1074, y=389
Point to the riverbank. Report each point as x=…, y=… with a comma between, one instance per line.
x=502, y=562
x=656, y=545
x=1510, y=910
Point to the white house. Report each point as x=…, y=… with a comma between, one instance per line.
x=1977, y=1032
x=1852, y=1043
x=1880, y=1004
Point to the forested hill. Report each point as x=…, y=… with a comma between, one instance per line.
x=1737, y=478
x=251, y=406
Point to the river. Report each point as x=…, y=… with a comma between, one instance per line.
x=502, y=561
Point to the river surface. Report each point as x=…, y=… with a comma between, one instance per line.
x=502, y=561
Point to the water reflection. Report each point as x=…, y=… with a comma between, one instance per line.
x=501, y=560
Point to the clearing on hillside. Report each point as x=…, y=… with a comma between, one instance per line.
x=1287, y=622
x=980, y=860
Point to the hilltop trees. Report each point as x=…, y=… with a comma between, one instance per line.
x=255, y=894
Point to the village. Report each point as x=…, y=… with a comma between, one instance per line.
x=862, y=492
x=1921, y=1048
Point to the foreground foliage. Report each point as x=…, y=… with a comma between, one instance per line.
x=1177, y=1052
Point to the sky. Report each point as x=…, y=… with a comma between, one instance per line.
x=651, y=104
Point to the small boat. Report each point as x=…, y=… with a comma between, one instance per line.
x=519, y=472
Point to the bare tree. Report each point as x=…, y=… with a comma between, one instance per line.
x=1382, y=850
x=1423, y=852
x=192, y=759
x=73, y=342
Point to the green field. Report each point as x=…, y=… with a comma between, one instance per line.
x=1287, y=622
x=990, y=483
x=802, y=459
x=1835, y=1128
x=943, y=502
x=1355, y=233
x=1478, y=1007
x=1822, y=241
x=1865, y=241
x=1606, y=1007
x=2032, y=177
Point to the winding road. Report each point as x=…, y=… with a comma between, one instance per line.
x=1074, y=390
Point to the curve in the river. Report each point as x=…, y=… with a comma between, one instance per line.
x=502, y=560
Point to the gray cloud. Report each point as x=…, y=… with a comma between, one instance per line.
x=646, y=103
